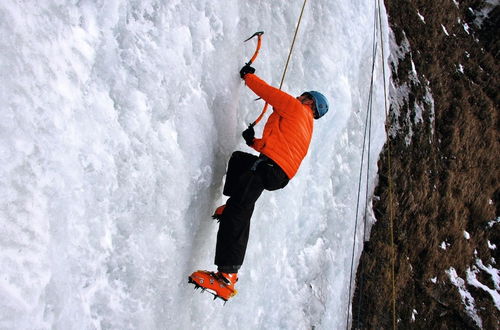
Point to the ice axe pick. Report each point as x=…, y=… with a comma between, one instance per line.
x=259, y=43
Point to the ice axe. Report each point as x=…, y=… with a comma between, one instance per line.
x=259, y=43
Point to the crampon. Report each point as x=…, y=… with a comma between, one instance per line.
x=220, y=285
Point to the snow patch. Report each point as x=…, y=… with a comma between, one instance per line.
x=466, y=28
x=414, y=313
x=400, y=94
x=444, y=30
x=493, y=222
x=472, y=280
x=493, y=272
x=467, y=299
x=444, y=245
x=484, y=13
x=422, y=18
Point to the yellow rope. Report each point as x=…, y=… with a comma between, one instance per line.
x=286, y=64
x=293, y=43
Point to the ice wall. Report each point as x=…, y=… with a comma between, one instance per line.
x=117, y=119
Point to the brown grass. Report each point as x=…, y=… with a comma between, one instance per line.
x=444, y=183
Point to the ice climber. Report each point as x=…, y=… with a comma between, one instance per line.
x=284, y=144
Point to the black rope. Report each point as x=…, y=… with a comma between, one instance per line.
x=368, y=127
x=389, y=178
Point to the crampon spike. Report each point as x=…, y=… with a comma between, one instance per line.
x=212, y=291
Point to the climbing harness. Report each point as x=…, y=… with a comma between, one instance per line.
x=259, y=42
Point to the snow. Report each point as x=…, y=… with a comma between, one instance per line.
x=118, y=118
x=444, y=30
x=429, y=101
x=466, y=28
x=484, y=12
x=414, y=313
x=493, y=272
x=466, y=235
x=400, y=94
x=422, y=18
x=472, y=280
x=493, y=222
x=467, y=299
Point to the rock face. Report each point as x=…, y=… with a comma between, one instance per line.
x=439, y=174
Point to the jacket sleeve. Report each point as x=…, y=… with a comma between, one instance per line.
x=284, y=104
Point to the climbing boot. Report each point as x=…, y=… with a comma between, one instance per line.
x=221, y=285
x=218, y=212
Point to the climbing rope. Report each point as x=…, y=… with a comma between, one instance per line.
x=286, y=64
x=389, y=176
x=367, y=128
x=293, y=43
x=390, y=187
x=368, y=120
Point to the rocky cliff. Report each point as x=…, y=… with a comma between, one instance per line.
x=439, y=188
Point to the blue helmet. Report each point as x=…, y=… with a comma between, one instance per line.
x=321, y=104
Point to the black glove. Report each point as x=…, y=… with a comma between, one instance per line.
x=246, y=69
x=249, y=135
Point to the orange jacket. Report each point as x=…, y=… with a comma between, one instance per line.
x=288, y=131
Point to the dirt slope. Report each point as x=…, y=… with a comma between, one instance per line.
x=444, y=158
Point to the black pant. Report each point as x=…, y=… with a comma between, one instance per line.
x=247, y=176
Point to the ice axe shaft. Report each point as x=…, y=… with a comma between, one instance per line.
x=255, y=54
x=261, y=115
